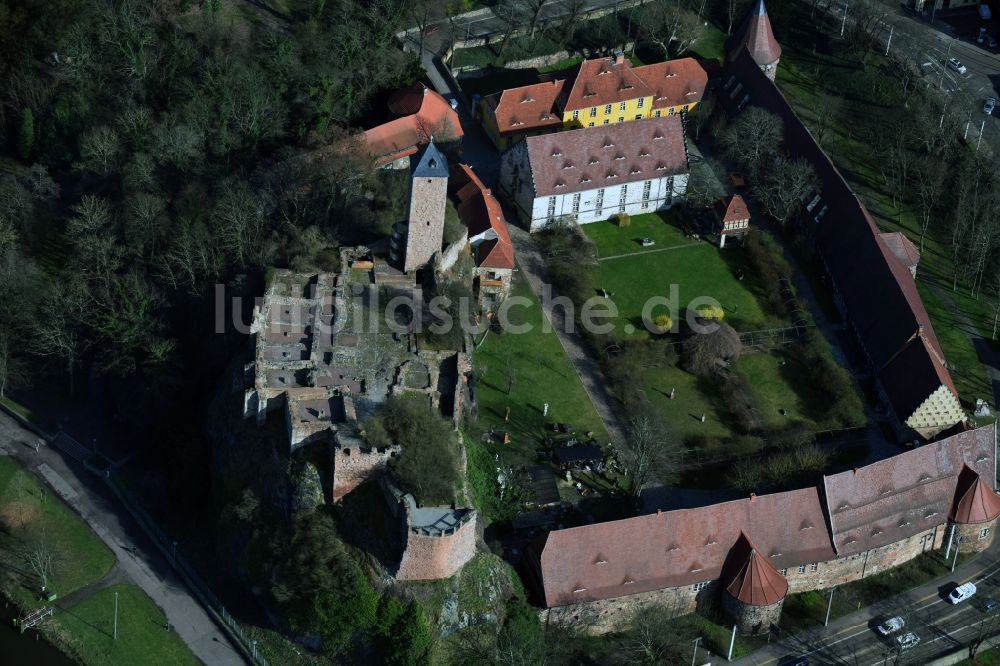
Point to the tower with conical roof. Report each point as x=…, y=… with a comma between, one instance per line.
x=974, y=511
x=753, y=590
x=415, y=239
x=758, y=38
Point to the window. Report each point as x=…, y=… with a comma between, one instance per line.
x=685, y=108
x=638, y=116
x=783, y=572
x=599, y=202
x=606, y=121
x=621, y=198
x=814, y=566
x=645, y=193
x=593, y=111
x=698, y=587
x=642, y=100
x=621, y=107
x=621, y=119
x=576, y=203
x=590, y=124
x=802, y=568
x=656, y=114
x=670, y=112
x=552, y=208
x=576, y=114
x=983, y=533
x=607, y=109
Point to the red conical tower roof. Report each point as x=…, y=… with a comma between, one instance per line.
x=975, y=501
x=750, y=577
x=758, y=37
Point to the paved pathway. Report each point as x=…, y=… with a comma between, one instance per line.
x=138, y=560
x=531, y=264
x=660, y=249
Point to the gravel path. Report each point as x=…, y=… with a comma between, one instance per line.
x=533, y=267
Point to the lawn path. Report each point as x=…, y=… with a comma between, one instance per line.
x=661, y=249
x=530, y=262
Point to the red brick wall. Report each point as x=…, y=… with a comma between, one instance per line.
x=351, y=470
x=427, y=557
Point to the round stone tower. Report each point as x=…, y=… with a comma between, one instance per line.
x=753, y=591
x=974, y=512
x=758, y=38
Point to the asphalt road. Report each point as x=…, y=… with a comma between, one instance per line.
x=941, y=626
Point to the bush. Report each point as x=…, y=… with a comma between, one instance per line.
x=428, y=464
x=707, y=353
x=664, y=322
x=710, y=312
x=406, y=636
x=769, y=268
x=622, y=220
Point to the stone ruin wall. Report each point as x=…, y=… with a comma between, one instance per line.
x=431, y=555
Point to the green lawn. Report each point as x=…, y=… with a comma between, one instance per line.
x=31, y=517
x=779, y=387
x=143, y=633
x=711, y=44
x=612, y=240
x=690, y=401
x=542, y=373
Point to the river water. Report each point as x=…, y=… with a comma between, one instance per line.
x=27, y=648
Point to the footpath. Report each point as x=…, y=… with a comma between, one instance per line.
x=138, y=560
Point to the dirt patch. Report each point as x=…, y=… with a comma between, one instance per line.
x=17, y=514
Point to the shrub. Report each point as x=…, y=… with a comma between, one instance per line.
x=710, y=312
x=707, y=353
x=428, y=464
x=622, y=220
x=664, y=322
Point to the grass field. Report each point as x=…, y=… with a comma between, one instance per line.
x=143, y=634
x=612, y=240
x=32, y=516
x=542, y=373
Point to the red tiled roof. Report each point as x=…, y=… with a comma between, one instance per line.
x=593, y=157
x=736, y=210
x=901, y=247
x=876, y=289
x=528, y=107
x=605, y=81
x=480, y=211
x=904, y=495
x=749, y=577
x=674, y=82
x=400, y=137
x=975, y=500
x=758, y=38
x=673, y=548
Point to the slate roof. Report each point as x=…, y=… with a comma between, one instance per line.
x=430, y=163
x=567, y=454
x=758, y=38
x=904, y=495
x=593, y=157
x=749, y=576
x=402, y=136
x=674, y=82
x=674, y=548
x=877, y=290
x=528, y=107
x=605, y=81
x=975, y=501
x=480, y=212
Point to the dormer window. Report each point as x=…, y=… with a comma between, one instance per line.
x=619, y=157
x=661, y=167
x=593, y=160
x=608, y=144
x=635, y=171
x=579, y=590
x=559, y=183
x=657, y=137
x=527, y=100
x=611, y=175
x=644, y=153
x=556, y=152
x=585, y=180
x=515, y=123
x=569, y=166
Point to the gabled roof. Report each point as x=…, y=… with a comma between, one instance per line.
x=528, y=107
x=901, y=247
x=604, y=81
x=758, y=37
x=481, y=213
x=594, y=157
x=736, y=210
x=674, y=82
x=430, y=163
x=906, y=494
x=749, y=577
x=681, y=547
x=878, y=292
x=975, y=500
x=397, y=138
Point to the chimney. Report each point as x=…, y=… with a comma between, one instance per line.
x=619, y=57
x=855, y=471
x=753, y=497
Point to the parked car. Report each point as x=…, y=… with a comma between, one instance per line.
x=982, y=36
x=991, y=605
x=985, y=13
x=989, y=105
x=891, y=626
x=962, y=592
x=956, y=64
x=991, y=41
x=907, y=640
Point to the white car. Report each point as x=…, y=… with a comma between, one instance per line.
x=891, y=626
x=956, y=64
x=989, y=105
x=961, y=593
x=906, y=641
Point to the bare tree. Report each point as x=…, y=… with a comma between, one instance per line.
x=669, y=26
x=734, y=10
x=648, y=452
x=754, y=136
x=783, y=190
x=649, y=636
x=56, y=331
x=929, y=183
x=707, y=353
x=99, y=150
x=40, y=556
